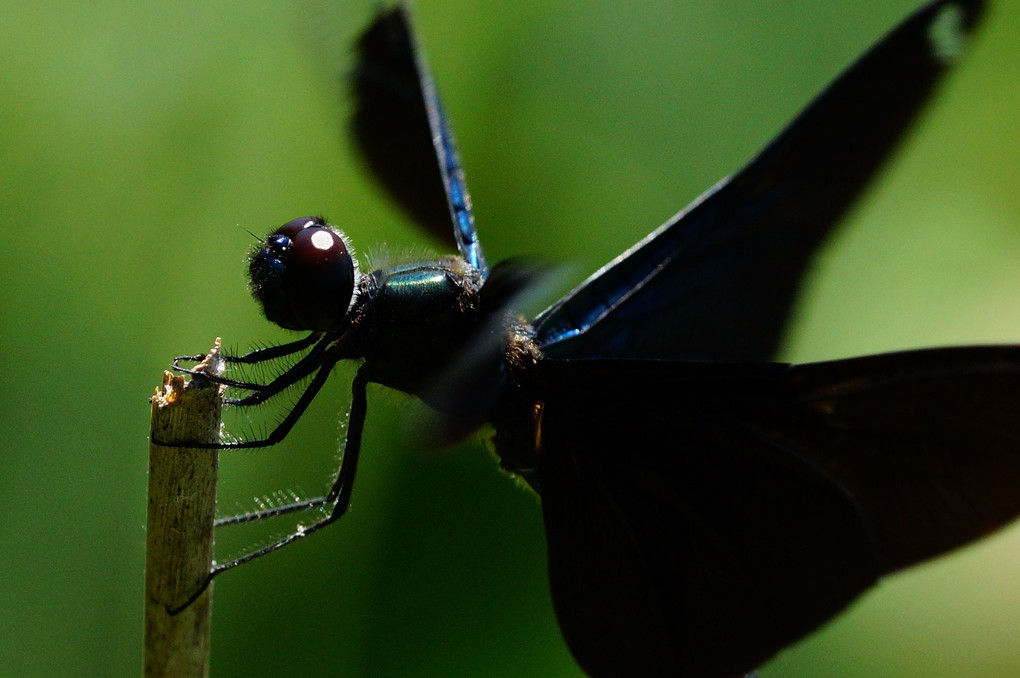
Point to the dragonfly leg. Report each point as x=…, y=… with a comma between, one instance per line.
x=339, y=495
x=261, y=354
x=323, y=364
x=302, y=368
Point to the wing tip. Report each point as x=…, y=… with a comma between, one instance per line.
x=951, y=27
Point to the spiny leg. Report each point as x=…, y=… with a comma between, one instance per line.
x=308, y=364
x=339, y=494
x=312, y=361
x=324, y=365
x=352, y=445
x=261, y=354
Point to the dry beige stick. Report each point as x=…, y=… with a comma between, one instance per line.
x=179, y=538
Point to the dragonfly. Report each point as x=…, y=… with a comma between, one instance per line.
x=704, y=505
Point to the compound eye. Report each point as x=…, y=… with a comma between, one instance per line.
x=295, y=226
x=304, y=276
x=320, y=278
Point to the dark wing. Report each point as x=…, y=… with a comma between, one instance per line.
x=718, y=280
x=702, y=516
x=403, y=135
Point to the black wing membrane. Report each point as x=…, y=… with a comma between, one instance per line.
x=718, y=280
x=403, y=135
x=701, y=516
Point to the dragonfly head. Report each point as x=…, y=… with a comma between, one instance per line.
x=303, y=274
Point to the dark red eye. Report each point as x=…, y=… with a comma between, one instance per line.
x=303, y=275
x=295, y=226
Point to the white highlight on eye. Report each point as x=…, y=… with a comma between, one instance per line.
x=322, y=240
x=946, y=34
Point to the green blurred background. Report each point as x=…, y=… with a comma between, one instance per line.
x=136, y=140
